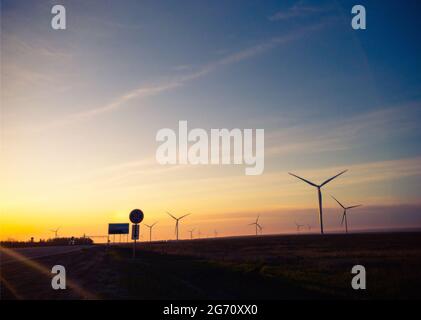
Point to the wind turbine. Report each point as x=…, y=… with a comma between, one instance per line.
x=319, y=193
x=177, y=220
x=55, y=232
x=150, y=230
x=215, y=233
x=299, y=226
x=344, y=219
x=256, y=224
x=191, y=233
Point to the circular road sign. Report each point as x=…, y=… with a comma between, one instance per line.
x=136, y=216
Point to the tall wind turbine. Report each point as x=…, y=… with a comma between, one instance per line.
x=344, y=219
x=319, y=186
x=150, y=230
x=55, y=232
x=177, y=220
x=256, y=223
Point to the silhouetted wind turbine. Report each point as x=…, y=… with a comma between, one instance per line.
x=177, y=221
x=344, y=219
x=215, y=233
x=55, y=232
x=191, y=233
x=256, y=224
x=299, y=226
x=150, y=230
x=319, y=193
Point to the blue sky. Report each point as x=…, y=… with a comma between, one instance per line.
x=92, y=97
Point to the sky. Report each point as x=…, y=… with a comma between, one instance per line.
x=80, y=109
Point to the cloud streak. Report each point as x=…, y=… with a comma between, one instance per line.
x=179, y=81
x=297, y=10
x=342, y=134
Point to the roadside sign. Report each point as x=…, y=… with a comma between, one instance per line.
x=118, y=228
x=135, y=232
x=136, y=216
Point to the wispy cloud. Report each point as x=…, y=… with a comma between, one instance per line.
x=14, y=45
x=298, y=10
x=181, y=80
x=369, y=172
x=332, y=135
x=342, y=134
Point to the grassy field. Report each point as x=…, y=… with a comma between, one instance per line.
x=269, y=267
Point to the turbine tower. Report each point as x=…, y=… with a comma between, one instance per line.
x=55, y=232
x=191, y=233
x=150, y=230
x=319, y=192
x=256, y=223
x=344, y=219
x=177, y=220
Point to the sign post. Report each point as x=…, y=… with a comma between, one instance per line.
x=136, y=217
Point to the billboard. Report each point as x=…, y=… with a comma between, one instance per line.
x=118, y=228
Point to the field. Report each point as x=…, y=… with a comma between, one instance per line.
x=267, y=267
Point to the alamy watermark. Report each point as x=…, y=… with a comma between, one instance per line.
x=359, y=20
x=359, y=280
x=220, y=146
x=58, y=22
x=58, y=282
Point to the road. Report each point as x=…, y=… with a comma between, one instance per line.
x=35, y=252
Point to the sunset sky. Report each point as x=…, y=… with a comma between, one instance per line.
x=80, y=109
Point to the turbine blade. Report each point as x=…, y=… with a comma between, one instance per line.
x=359, y=205
x=184, y=216
x=343, y=219
x=338, y=202
x=309, y=182
x=172, y=215
x=334, y=177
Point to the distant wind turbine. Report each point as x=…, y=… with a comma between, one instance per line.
x=177, y=220
x=191, y=233
x=150, y=230
x=319, y=193
x=215, y=233
x=299, y=226
x=344, y=219
x=55, y=232
x=256, y=223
